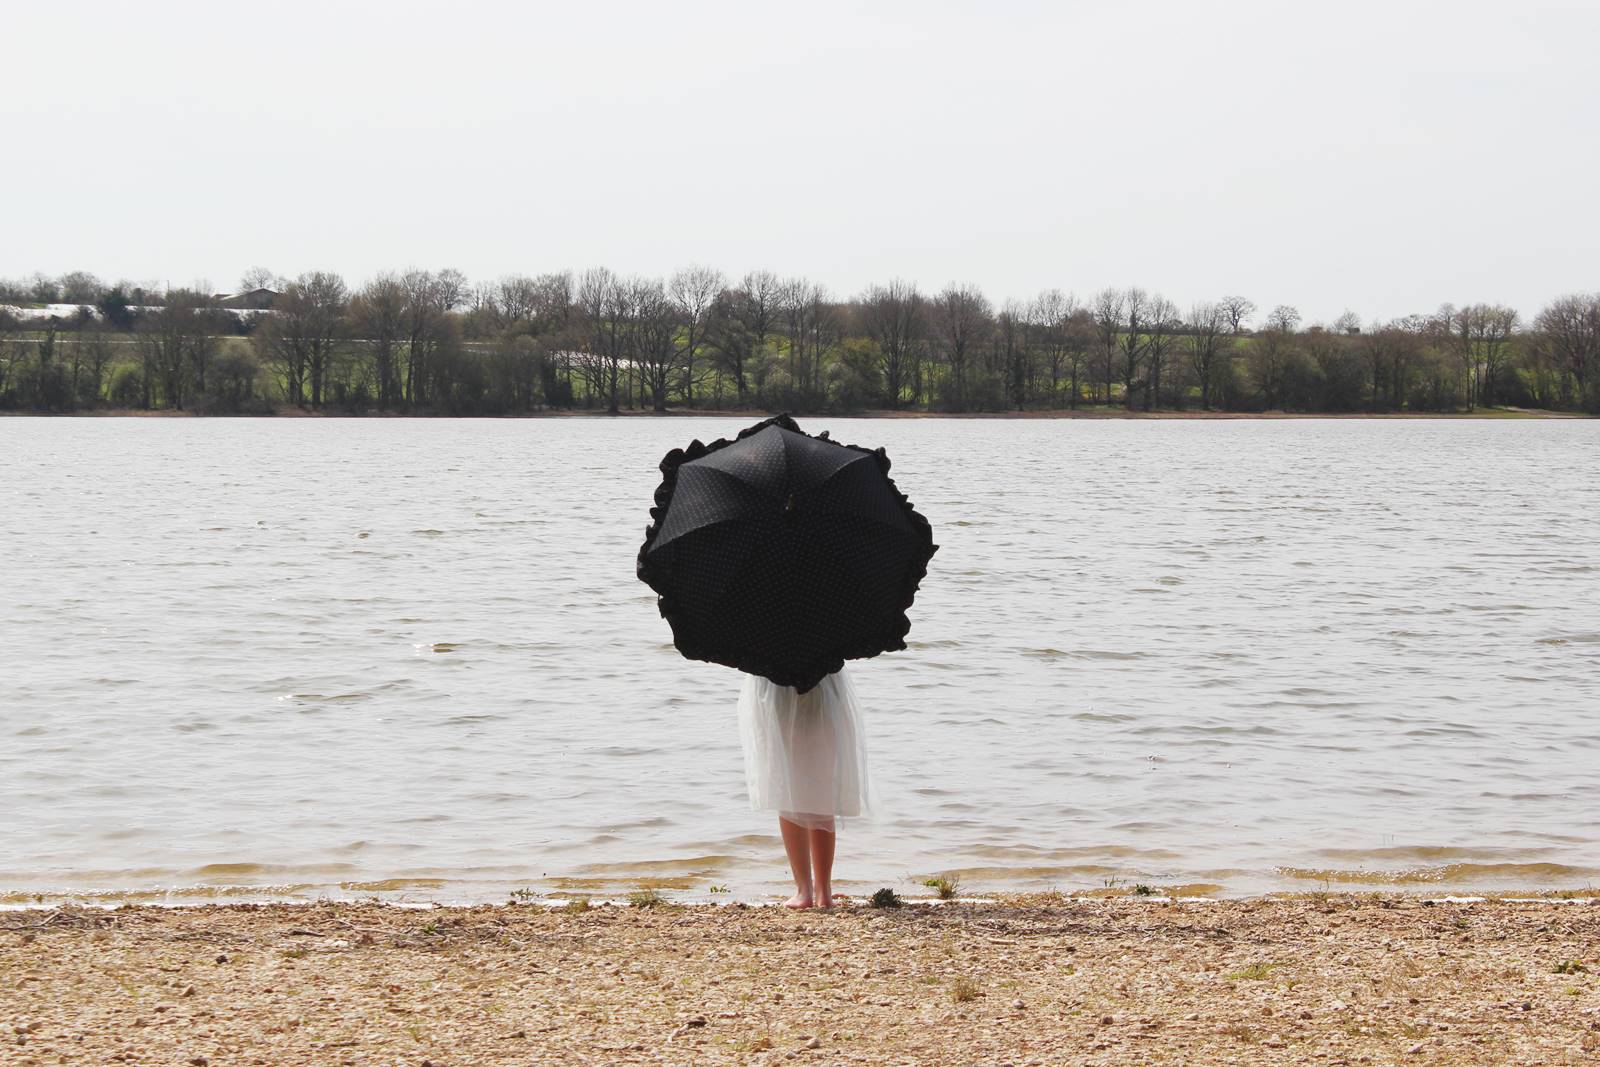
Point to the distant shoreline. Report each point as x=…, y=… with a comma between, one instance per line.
x=1090, y=414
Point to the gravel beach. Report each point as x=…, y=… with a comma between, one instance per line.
x=1025, y=980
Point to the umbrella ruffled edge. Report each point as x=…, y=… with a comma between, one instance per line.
x=893, y=636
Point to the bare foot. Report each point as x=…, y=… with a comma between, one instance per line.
x=825, y=900
x=798, y=901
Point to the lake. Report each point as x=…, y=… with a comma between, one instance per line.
x=307, y=658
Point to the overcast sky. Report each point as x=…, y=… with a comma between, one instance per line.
x=1380, y=157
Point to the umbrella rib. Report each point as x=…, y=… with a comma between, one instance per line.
x=861, y=457
x=740, y=482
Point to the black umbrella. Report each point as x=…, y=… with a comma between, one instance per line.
x=783, y=554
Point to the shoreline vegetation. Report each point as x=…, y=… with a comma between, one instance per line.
x=433, y=343
x=1332, y=978
x=1082, y=413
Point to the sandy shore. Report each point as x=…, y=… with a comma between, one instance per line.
x=1339, y=980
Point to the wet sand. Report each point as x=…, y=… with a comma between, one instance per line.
x=1026, y=980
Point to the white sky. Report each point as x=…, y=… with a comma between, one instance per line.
x=1382, y=157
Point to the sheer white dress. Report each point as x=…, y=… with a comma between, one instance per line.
x=805, y=754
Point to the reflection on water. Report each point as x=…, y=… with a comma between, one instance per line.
x=344, y=658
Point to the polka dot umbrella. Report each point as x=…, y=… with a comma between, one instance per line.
x=783, y=554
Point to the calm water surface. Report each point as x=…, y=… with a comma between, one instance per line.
x=325, y=657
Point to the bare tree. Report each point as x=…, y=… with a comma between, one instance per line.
x=1134, y=343
x=257, y=278
x=652, y=336
x=811, y=324
x=300, y=339
x=1270, y=355
x=1492, y=327
x=1206, y=345
x=1048, y=317
x=98, y=354
x=321, y=297
x=80, y=287
x=1568, y=332
x=605, y=301
x=513, y=301
x=378, y=314
x=1012, y=352
x=743, y=319
x=961, y=316
x=894, y=316
x=694, y=291
x=429, y=298
x=176, y=345
x=1163, y=323
x=1238, y=310
x=1107, y=312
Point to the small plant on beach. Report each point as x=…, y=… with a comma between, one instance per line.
x=576, y=906
x=1240, y=1033
x=294, y=953
x=645, y=898
x=523, y=895
x=964, y=989
x=1571, y=967
x=1142, y=890
x=1253, y=973
x=430, y=928
x=946, y=885
x=886, y=898
x=719, y=889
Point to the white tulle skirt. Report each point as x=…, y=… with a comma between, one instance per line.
x=805, y=754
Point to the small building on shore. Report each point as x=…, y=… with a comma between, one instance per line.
x=259, y=299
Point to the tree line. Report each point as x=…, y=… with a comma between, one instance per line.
x=431, y=342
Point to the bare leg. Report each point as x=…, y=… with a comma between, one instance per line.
x=797, y=845
x=822, y=842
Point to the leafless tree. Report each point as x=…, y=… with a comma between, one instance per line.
x=257, y=278
x=1491, y=326
x=98, y=353
x=1238, y=309
x=430, y=297
x=605, y=301
x=811, y=324
x=80, y=287
x=302, y=337
x=378, y=315
x=176, y=344
x=742, y=321
x=961, y=317
x=1161, y=333
x=1134, y=344
x=1270, y=355
x=894, y=316
x=653, y=338
x=693, y=291
x=1048, y=317
x=322, y=298
x=1207, y=346
x=1013, y=353
x=1106, y=309
x=1568, y=332
x=514, y=301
